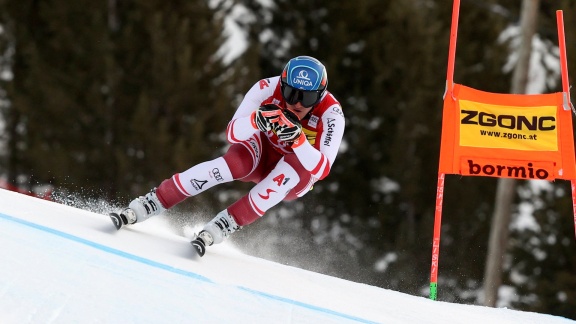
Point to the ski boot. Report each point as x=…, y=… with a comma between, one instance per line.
x=139, y=210
x=215, y=231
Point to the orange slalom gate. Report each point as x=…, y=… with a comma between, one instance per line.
x=503, y=135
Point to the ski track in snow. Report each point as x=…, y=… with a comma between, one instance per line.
x=65, y=265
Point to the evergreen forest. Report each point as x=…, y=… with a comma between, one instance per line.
x=103, y=100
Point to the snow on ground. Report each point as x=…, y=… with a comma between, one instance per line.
x=65, y=265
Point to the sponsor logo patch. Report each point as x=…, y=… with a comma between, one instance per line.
x=506, y=169
x=518, y=128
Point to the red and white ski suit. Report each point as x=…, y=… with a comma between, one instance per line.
x=281, y=171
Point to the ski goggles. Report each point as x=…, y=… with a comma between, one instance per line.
x=306, y=98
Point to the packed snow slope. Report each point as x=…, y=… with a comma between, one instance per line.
x=61, y=264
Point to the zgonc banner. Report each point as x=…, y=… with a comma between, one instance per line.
x=507, y=135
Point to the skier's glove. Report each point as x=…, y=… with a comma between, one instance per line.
x=265, y=117
x=288, y=127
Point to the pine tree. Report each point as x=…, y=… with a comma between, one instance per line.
x=113, y=97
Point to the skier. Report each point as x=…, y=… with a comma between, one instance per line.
x=284, y=137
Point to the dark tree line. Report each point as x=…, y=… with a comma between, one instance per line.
x=112, y=97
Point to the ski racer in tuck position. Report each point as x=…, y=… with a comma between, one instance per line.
x=284, y=137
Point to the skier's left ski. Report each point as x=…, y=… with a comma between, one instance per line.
x=199, y=246
x=116, y=220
